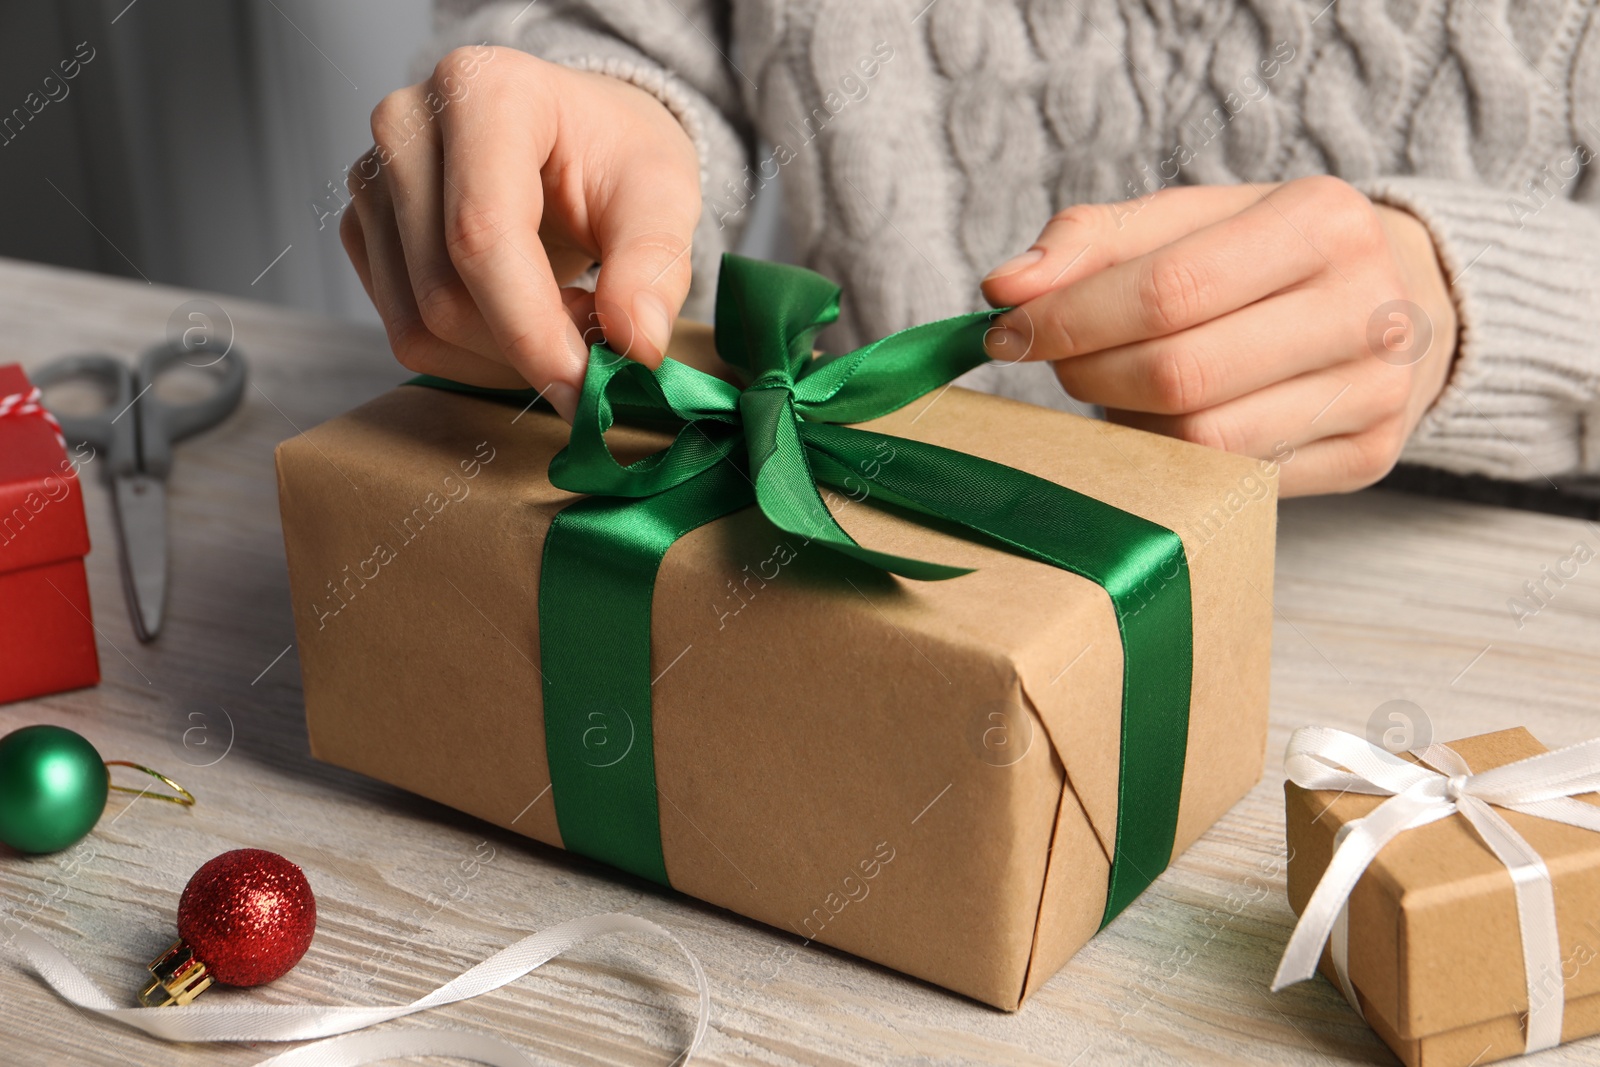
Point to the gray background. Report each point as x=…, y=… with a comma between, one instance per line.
x=191, y=149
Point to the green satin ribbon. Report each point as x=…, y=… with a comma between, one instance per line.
x=771, y=444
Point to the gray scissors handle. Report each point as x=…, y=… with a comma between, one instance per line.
x=112, y=430
x=161, y=423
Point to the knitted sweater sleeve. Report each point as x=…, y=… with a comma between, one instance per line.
x=676, y=50
x=1523, y=258
x=1523, y=400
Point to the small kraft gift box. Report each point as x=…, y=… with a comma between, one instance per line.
x=46, y=636
x=951, y=712
x=1457, y=889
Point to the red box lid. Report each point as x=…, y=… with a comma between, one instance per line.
x=41, y=505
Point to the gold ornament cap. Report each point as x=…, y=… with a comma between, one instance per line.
x=177, y=977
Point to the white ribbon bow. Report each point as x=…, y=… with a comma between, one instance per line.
x=27, y=405
x=1542, y=786
x=295, y=1022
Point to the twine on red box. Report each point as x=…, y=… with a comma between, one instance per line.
x=26, y=405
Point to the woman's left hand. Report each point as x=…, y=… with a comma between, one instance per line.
x=1266, y=320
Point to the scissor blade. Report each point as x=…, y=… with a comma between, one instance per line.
x=142, y=521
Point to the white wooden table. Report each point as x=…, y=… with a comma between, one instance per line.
x=1381, y=597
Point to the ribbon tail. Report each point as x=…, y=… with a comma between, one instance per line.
x=786, y=487
x=1402, y=812
x=1559, y=773
x=1569, y=810
x=595, y=589
x=794, y=506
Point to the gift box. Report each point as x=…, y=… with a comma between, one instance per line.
x=46, y=633
x=1444, y=949
x=961, y=775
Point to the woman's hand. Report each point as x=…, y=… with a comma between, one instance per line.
x=1247, y=318
x=496, y=182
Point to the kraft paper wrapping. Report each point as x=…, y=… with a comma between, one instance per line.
x=1435, y=953
x=925, y=776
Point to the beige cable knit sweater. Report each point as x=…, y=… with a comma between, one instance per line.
x=919, y=144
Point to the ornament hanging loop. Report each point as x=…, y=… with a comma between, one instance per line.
x=183, y=796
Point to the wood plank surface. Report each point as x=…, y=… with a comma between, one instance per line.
x=1380, y=597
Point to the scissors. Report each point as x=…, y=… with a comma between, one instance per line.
x=136, y=431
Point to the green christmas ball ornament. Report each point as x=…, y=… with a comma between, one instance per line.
x=53, y=788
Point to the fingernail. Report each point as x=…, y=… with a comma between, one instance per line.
x=562, y=397
x=1016, y=263
x=1006, y=345
x=651, y=315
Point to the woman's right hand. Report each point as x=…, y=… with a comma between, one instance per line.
x=494, y=184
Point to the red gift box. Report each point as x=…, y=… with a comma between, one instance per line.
x=46, y=634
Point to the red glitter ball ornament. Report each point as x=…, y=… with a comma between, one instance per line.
x=248, y=915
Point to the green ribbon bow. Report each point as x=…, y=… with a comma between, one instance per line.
x=770, y=444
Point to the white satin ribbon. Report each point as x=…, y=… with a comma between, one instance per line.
x=295, y=1022
x=1543, y=786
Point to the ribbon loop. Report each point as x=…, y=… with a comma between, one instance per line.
x=769, y=315
x=1442, y=785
